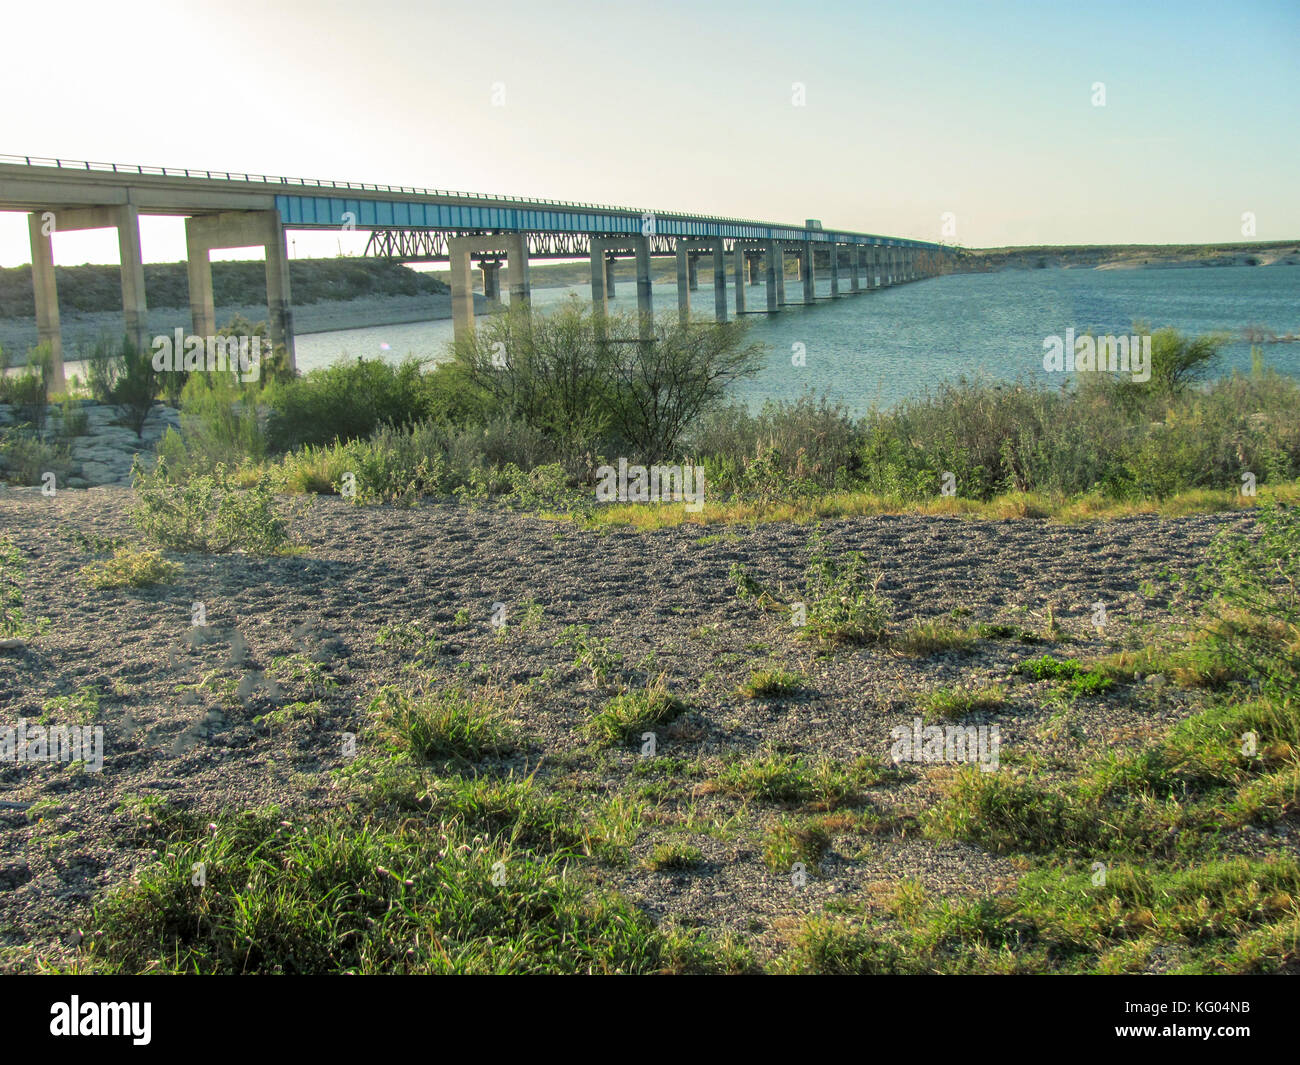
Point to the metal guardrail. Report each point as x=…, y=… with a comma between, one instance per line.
x=268, y=179
x=311, y=183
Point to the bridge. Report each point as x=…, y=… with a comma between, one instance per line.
x=225, y=210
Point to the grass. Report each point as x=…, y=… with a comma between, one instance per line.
x=131, y=568
x=771, y=683
x=674, y=857
x=791, y=778
x=367, y=895
x=830, y=505
x=628, y=716
x=1234, y=916
x=789, y=841
x=444, y=725
x=933, y=637
x=954, y=704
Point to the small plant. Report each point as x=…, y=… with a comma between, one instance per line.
x=953, y=704
x=842, y=601
x=410, y=639
x=443, y=725
x=12, y=625
x=1079, y=679
x=79, y=708
x=300, y=669
x=769, y=683
x=674, y=857
x=790, y=841
x=626, y=716
x=208, y=513
x=129, y=568
x=593, y=655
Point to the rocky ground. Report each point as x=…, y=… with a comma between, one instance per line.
x=180, y=704
x=104, y=452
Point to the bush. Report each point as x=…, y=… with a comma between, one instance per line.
x=131, y=569
x=124, y=379
x=611, y=382
x=208, y=513
x=29, y=391
x=346, y=401
x=841, y=600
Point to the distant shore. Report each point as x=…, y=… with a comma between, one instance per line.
x=82, y=330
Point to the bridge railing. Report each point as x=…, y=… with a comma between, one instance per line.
x=313, y=183
x=323, y=183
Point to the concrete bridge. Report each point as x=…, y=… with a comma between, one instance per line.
x=228, y=210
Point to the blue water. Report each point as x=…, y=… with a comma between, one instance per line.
x=883, y=346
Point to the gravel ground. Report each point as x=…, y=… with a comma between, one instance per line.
x=664, y=594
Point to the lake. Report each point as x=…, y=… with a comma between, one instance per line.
x=884, y=346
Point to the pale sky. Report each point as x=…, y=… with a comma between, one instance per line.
x=911, y=109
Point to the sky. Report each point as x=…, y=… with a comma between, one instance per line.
x=888, y=118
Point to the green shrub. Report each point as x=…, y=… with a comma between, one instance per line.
x=346, y=401
x=125, y=379
x=208, y=513
x=842, y=603
x=131, y=569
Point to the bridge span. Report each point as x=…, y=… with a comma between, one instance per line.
x=232, y=210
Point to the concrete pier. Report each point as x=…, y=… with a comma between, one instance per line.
x=808, y=271
x=459, y=250
x=835, y=270
x=688, y=252
x=491, y=269
x=241, y=229
x=41, y=226
x=855, y=268
x=601, y=247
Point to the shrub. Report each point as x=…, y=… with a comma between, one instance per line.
x=346, y=401
x=842, y=603
x=131, y=569
x=615, y=381
x=124, y=379
x=208, y=513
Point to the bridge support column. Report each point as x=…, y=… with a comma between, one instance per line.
x=242, y=229
x=855, y=268
x=688, y=251
x=740, y=267
x=521, y=292
x=491, y=269
x=835, y=270
x=692, y=273
x=125, y=218
x=610, y=260
x=459, y=250
x=602, y=270
x=46, y=291
x=808, y=271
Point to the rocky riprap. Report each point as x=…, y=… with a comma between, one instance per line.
x=104, y=453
